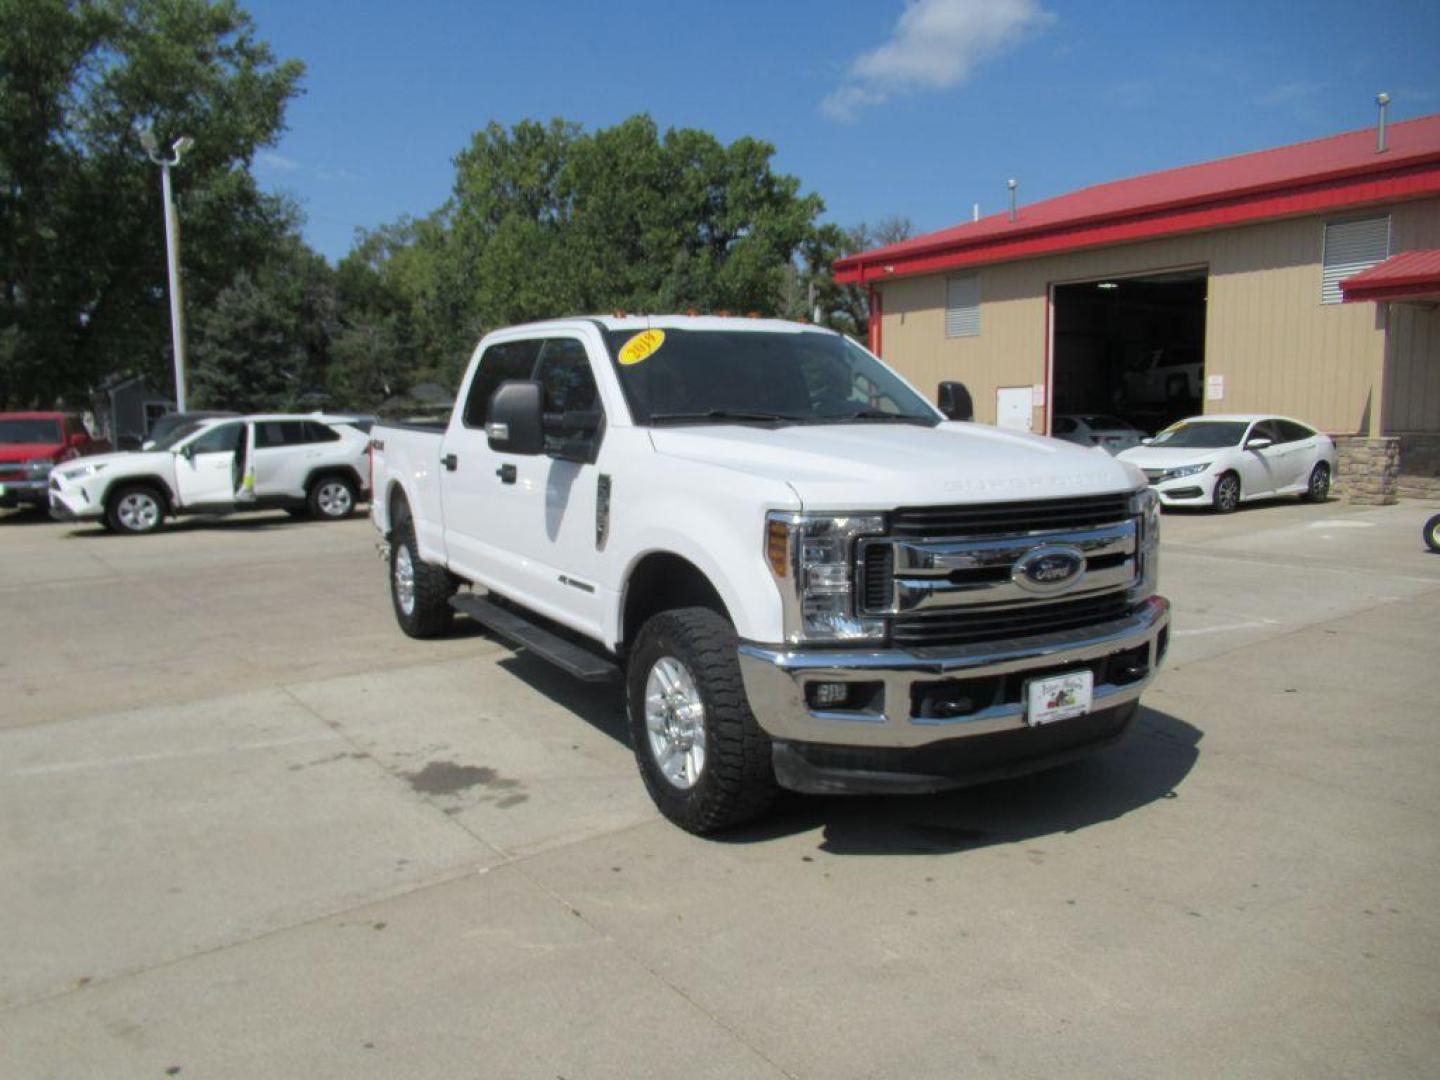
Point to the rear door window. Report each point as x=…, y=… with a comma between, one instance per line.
x=498, y=363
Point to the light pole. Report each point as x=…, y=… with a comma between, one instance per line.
x=172, y=252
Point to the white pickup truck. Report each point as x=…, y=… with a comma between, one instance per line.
x=805, y=574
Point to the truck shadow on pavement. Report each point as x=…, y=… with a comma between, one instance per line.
x=1147, y=767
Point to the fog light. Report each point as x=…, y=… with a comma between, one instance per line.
x=827, y=695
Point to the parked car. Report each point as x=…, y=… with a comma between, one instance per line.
x=1092, y=429
x=805, y=575
x=31, y=444
x=1224, y=460
x=170, y=421
x=220, y=466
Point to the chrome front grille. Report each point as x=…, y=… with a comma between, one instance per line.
x=948, y=575
x=982, y=519
x=1025, y=620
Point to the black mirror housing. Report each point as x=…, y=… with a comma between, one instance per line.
x=954, y=401
x=515, y=423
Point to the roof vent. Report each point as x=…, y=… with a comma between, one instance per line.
x=1382, y=99
x=1012, y=184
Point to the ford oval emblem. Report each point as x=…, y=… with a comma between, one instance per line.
x=1050, y=569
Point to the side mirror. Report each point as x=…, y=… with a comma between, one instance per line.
x=1259, y=444
x=1147, y=441
x=954, y=401
x=516, y=425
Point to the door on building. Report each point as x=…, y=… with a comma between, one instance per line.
x=1013, y=407
x=1131, y=347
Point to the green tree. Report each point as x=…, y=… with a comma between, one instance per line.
x=82, y=264
x=548, y=220
x=263, y=343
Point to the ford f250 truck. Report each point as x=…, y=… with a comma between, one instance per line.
x=805, y=574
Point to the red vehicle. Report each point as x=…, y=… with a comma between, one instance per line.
x=31, y=444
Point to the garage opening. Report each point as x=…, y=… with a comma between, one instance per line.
x=1131, y=348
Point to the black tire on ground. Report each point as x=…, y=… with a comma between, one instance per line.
x=1432, y=533
x=1318, y=489
x=424, y=612
x=736, y=782
x=134, y=509
x=1227, y=493
x=331, y=497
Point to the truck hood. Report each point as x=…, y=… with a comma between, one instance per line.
x=10, y=453
x=881, y=466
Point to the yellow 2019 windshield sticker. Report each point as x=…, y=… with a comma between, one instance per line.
x=642, y=345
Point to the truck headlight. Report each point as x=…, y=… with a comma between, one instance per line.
x=812, y=558
x=1145, y=506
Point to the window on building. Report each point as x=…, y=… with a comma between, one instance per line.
x=962, y=306
x=1350, y=247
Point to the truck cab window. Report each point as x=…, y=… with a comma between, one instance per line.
x=506, y=360
x=565, y=377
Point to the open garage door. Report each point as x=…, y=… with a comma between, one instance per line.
x=1131, y=347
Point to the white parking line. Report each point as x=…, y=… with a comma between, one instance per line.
x=1258, y=625
x=170, y=755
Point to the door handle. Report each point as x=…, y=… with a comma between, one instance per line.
x=451, y=462
x=506, y=474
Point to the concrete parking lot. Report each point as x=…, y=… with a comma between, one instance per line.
x=249, y=829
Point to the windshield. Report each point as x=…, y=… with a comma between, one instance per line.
x=1202, y=434
x=725, y=376
x=16, y=432
x=170, y=438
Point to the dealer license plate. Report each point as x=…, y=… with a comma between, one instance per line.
x=1059, y=697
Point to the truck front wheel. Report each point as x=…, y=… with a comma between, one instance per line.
x=419, y=591
x=704, y=759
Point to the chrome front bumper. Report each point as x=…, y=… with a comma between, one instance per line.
x=776, y=680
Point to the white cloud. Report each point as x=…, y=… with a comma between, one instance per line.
x=936, y=44
x=279, y=162
x=1290, y=93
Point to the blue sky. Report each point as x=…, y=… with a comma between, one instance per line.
x=883, y=107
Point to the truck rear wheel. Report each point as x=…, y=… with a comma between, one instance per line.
x=419, y=591
x=703, y=758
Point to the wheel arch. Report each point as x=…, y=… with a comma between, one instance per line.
x=158, y=483
x=659, y=580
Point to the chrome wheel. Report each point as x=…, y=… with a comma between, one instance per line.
x=405, y=579
x=334, y=498
x=138, y=511
x=675, y=722
x=1319, y=483
x=1227, y=493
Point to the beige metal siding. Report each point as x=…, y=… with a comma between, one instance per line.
x=1412, y=379
x=1266, y=330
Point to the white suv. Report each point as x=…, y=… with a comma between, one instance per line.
x=304, y=464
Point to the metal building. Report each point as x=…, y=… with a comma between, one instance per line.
x=1303, y=280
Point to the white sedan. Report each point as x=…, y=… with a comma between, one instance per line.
x=1222, y=461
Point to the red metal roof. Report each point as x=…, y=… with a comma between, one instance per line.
x=1310, y=177
x=1411, y=275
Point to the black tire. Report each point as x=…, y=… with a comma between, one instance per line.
x=331, y=497
x=1432, y=533
x=1318, y=488
x=429, y=612
x=1226, y=497
x=135, y=509
x=736, y=782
